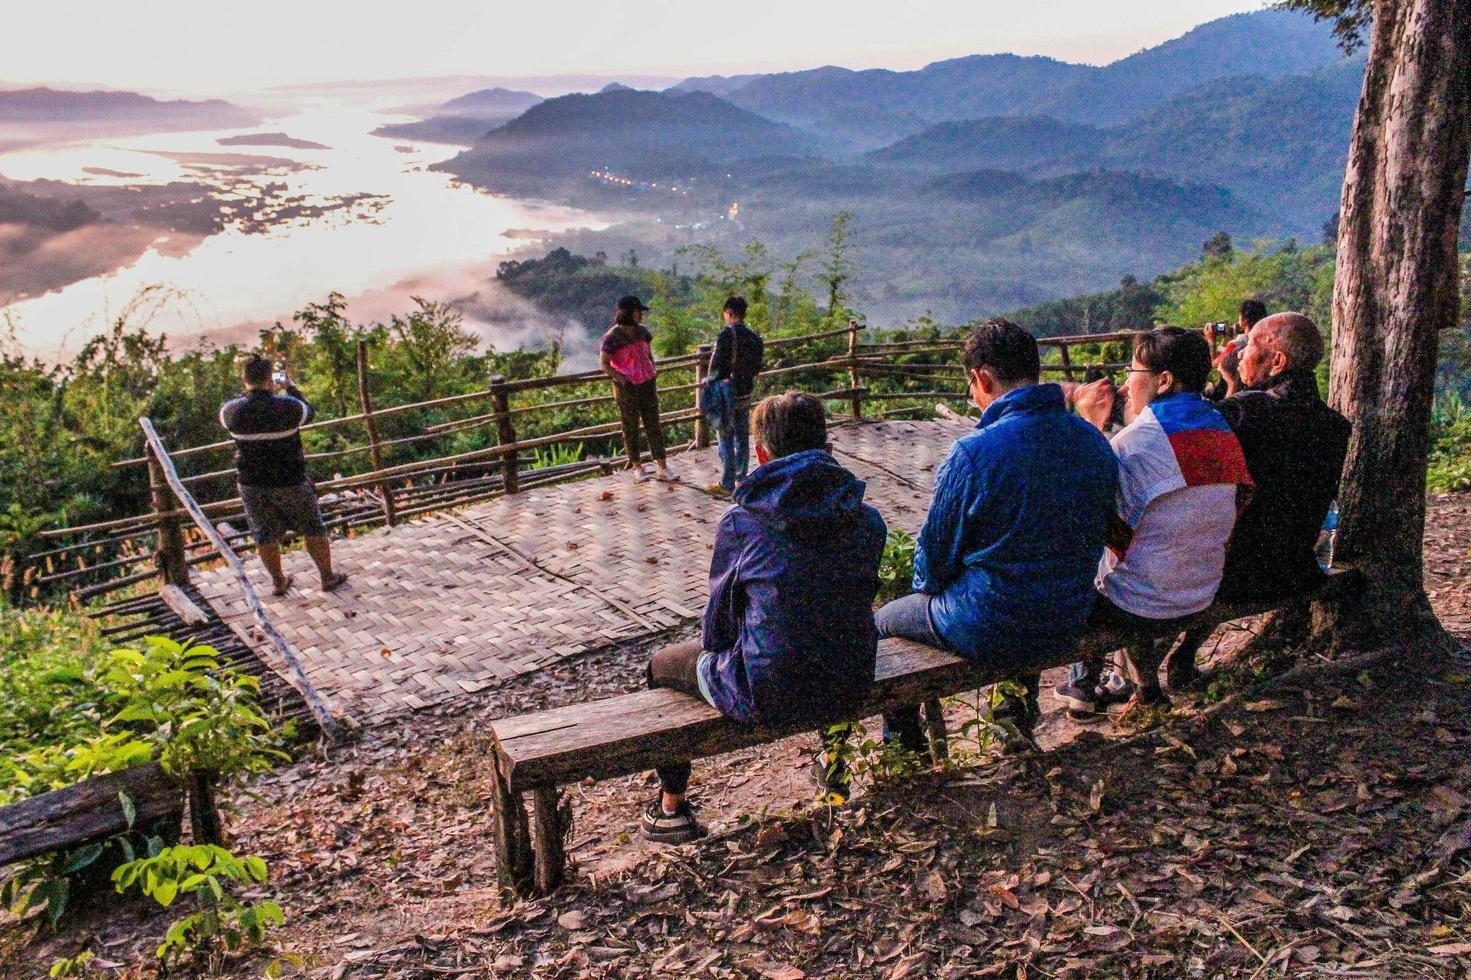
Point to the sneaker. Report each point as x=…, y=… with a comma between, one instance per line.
x=1079, y=697
x=1018, y=721
x=716, y=490
x=679, y=827
x=1115, y=689
x=667, y=475
x=640, y=473
x=833, y=779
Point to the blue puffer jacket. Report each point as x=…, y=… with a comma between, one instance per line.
x=792, y=581
x=1011, y=544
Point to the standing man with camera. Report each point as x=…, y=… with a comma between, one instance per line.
x=737, y=361
x=265, y=423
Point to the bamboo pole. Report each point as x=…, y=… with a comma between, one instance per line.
x=702, y=371
x=302, y=684
x=169, y=557
x=385, y=489
x=857, y=402
x=1067, y=363
x=505, y=430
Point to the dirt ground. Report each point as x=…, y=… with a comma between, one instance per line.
x=1301, y=819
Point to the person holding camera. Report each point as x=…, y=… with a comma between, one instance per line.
x=270, y=462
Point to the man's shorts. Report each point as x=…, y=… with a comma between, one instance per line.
x=273, y=511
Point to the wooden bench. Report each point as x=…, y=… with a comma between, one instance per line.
x=632, y=733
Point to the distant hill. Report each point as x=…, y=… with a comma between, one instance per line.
x=491, y=102
x=1280, y=143
x=463, y=120
x=1000, y=142
x=1267, y=43
x=653, y=135
x=863, y=110
x=56, y=107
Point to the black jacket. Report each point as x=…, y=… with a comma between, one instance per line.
x=267, y=431
x=737, y=358
x=1295, y=446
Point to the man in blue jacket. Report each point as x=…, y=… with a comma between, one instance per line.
x=789, y=638
x=1004, y=566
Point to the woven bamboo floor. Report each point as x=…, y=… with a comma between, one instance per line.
x=454, y=603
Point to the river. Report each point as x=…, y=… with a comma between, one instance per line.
x=424, y=235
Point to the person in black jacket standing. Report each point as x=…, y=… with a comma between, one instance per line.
x=271, y=467
x=736, y=360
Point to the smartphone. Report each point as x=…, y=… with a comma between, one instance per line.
x=279, y=376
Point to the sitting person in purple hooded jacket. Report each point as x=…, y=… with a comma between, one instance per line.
x=789, y=640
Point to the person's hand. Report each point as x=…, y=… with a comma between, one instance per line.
x=1094, y=401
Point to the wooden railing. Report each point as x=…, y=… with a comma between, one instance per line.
x=98, y=558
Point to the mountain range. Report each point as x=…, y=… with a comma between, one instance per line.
x=980, y=182
x=53, y=106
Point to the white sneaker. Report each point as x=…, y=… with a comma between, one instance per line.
x=667, y=475
x=640, y=474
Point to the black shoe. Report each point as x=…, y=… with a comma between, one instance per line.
x=1018, y=720
x=833, y=778
x=679, y=827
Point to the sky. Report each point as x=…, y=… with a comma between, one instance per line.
x=181, y=47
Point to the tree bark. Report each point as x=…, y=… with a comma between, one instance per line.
x=1395, y=291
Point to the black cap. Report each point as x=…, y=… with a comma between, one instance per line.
x=631, y=303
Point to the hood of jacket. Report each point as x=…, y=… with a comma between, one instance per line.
x=801, y=495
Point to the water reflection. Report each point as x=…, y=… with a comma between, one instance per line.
x=416, y=233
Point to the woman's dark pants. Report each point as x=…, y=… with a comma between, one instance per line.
x=635, y=403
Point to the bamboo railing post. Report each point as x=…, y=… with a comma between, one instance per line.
x=857, y=398
x=170, y=557
x=1067, y=362
x=500, y=401
x=702, y=369
x=390, y=510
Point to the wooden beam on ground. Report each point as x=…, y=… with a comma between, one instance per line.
x=308, y=693
x=182, y=605
x=87, y=811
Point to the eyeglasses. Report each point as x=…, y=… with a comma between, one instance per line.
x=1134, y=370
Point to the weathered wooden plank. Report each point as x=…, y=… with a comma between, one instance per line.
x=87, y=811
x=182, y=605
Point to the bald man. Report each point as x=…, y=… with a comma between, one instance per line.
x=1295, y=446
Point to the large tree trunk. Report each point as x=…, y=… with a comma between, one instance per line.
x=1396, y=290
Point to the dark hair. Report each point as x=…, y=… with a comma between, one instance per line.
x=1252, y=310
x=1183, y=353
x=624, y=318
x=1008, y=350
x=736, y=305
x=256, y=370
x=789, y=423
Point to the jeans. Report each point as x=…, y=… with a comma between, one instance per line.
x=909, y=618
x=735, y=445
x=676, y=667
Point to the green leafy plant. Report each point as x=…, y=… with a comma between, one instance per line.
x=73, y=966
x=558, y=455
x=164, y=702
x=209, y=874
x=896, y=568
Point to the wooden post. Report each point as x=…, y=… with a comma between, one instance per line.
x=500, y=401
x=1067, y=362
x=512, y=844
x=551, y=858
x=934, y=720
x=857, y=399
x=385, y=489
x=204, y=816
x=702, y=369
x=170, y=558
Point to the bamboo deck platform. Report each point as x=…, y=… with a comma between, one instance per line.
x=454, y=603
